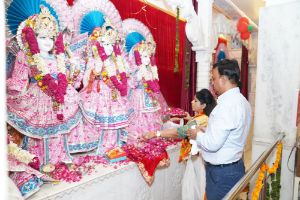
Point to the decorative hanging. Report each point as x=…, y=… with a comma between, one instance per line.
x=244, y=28
x=221, y=49
x=176, y=68
x=187, y=64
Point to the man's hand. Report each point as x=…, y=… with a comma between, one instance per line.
x=192, y=132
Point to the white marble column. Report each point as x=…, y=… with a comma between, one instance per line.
x=203, y=59
x=203, y=52
x=277, y=79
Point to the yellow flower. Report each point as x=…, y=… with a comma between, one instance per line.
x=44, y=87
x=272, y=170
x=40, y=83
x=104, y=73
x=29, y=22
x=38, y=77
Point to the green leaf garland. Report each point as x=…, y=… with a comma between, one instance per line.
x=176, y=68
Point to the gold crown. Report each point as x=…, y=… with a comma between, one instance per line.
x=44, y=23
x=146, y=47
x=96, y=33
x=109, y=33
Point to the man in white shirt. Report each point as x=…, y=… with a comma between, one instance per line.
x=223, y=141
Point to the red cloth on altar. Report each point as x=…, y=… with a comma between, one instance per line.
x=149, y=156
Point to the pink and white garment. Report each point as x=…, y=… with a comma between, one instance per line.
x=22, y=167
x=147, y=112
x=30, y=112
x=145, y=97
x=105, y=108
x=104, y=100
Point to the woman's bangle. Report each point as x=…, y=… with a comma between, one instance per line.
x=158, y=134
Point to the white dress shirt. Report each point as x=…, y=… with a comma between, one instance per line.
x=228, y=126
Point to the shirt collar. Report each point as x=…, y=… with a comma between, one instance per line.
x=228, y=93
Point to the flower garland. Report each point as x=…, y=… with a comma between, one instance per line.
x=54, y=89
x=109, y=74
x=20, y=154
x=265, y=168
x=150, y=79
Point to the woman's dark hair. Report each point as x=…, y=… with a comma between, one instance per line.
x=205, y=96
x=229, y=68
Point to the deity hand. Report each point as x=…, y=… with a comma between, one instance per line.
x=74, y=63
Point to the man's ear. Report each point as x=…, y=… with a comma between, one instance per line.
x=224, y=79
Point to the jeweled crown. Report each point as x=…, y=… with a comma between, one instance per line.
x=44, y=24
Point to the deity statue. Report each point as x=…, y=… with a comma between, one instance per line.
x=145, y=97
x=105, y=85
x=40, y=103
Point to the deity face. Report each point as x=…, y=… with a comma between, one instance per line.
x=145, y=58
x=108, y=48
x=45, y=43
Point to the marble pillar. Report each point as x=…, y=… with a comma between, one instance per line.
x=204, y=51
x=277, y=79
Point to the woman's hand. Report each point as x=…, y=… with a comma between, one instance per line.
x=149, y=135
x=188, y=116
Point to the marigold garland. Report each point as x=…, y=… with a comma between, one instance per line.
x=265, y=168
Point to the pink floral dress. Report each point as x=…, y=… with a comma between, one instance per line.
x=148, y=107
x=30, y=112
x=105, y=107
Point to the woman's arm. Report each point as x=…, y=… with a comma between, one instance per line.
x=167, y=133
x=173, y=132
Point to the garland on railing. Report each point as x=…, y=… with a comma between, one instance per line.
x=274, y=172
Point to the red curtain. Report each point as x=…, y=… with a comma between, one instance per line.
x=189, y=75
x=244, y=71
x=162, y=27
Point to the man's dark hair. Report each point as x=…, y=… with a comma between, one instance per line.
x=229, y=68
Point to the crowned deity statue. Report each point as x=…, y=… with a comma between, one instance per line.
x=105, y=83
x=146, y=97
x=41, y=104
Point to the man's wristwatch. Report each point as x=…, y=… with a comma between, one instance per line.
x=157, y=133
